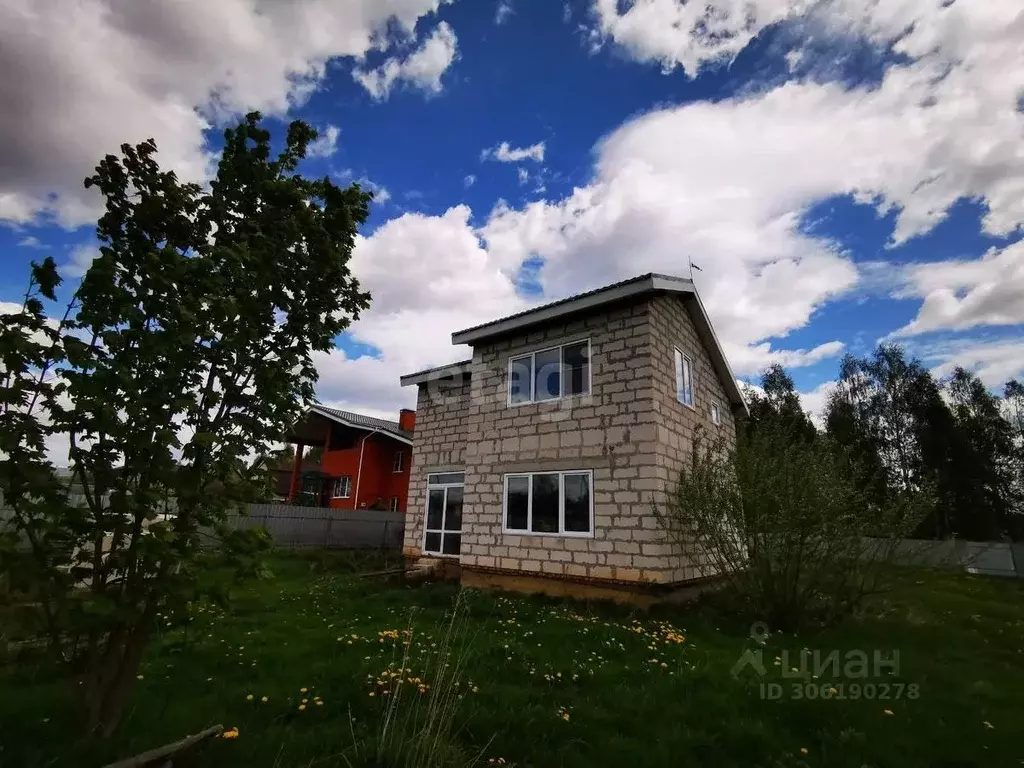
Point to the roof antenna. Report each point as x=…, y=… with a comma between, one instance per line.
x=693, y=267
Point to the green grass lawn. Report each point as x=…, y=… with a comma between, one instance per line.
x=552, y=683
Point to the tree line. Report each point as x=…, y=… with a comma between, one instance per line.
x=951, y=441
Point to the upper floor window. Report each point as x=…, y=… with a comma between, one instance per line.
x=398, y=461
x=684, y=379
x=716, y=413
x=549, y=374
x=342, y=487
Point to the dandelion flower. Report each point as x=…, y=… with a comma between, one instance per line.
x=303, y=690
x=887, y=711
x=231, y=734
x=319, y=703
x=987, y=724
x=138, y=677
x=249, y=697
x=264, y=700
x=803, y=750
x=302, y=707
x=565, y=716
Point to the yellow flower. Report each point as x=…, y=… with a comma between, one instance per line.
x=303, y=690
x=373, y=693
x=264, y=700
x=231, y=734
x=304, y=701
x=302, y=707
x=319, y=703
x=887, y=711
x=565, y=716
x=249, y=697
x=138, y=677
x=987, y=724
x=803, y=750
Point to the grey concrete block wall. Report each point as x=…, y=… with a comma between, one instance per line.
x=439, y=445
x=630, y=431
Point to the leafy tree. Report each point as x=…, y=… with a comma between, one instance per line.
x=778, y=405
x=979, y=481
x=187, y=350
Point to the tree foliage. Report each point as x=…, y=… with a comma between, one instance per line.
x=185, y=352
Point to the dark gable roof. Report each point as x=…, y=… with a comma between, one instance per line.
x=359, y=421
x=632, y=289
x=556, y=305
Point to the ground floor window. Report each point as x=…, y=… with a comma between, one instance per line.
x=443, y=535
x=549, y=503
x=394, y=503
x=342, y=487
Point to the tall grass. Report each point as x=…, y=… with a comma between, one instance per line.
x=420, y=728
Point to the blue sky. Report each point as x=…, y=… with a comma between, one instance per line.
x=841, y=173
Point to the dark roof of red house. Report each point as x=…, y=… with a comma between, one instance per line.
x=359, y=421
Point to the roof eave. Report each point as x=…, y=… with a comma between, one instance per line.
x=550, y=314
x=435, y=374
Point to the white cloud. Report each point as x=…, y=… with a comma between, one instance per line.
x=79, y=261
x=504, y=11
x=504, y=153
x=422, y=69
x=993, y=361
x=522, y=174
x=469, y=180
x=326, y=144
x=814, y=401
x=452, y=283
x=30, y=242
x=959, y=295
x=93, y=74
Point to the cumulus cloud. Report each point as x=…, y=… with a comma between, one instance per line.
x=326, y=144
x=995, y=361
x=504, y=153
x=453, y=283
x=469, y=180
x=964, y=294
x=93, y=74
x=422, y=69
x=30, y=242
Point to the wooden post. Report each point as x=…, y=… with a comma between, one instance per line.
x=293, y=486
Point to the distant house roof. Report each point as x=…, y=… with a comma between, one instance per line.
x=440, y=372
x=359, y=421
x=631, y=289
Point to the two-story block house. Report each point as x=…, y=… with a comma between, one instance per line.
x=535, y=464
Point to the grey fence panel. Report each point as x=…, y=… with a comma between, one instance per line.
x=292, y=526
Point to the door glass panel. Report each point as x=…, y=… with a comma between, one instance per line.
x=545, y=503
x=452, y=543
x=577, y=503
x=435, y=508
x=453, y=510
x=433, y=543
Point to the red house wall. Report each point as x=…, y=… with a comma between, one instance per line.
x=376, y=480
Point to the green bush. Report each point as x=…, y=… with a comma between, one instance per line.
x=783, y=521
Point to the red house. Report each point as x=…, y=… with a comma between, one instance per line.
x=364, y=462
